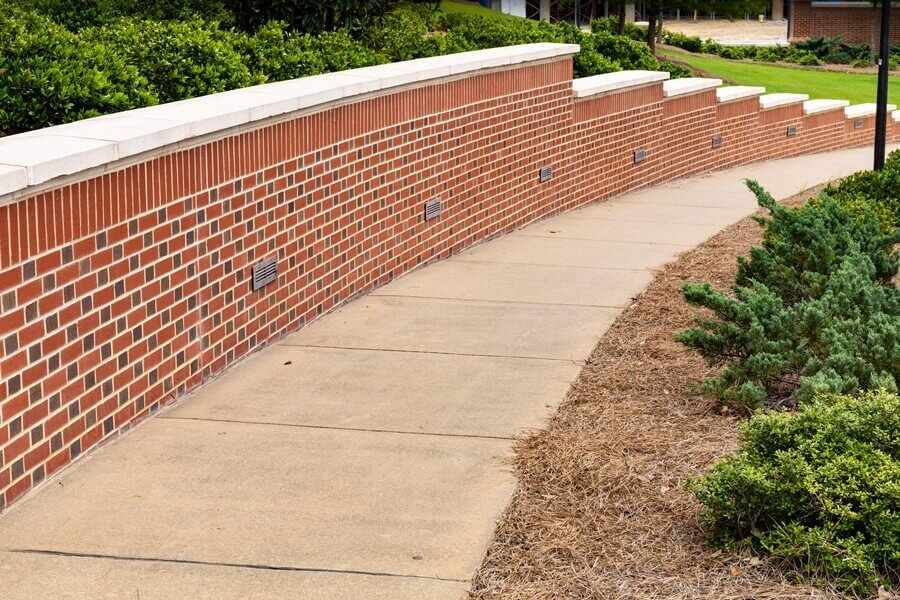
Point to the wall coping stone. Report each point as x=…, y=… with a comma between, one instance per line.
x=767, y=101
x=867, y=109
x=812, y=107
x=611, y=82
x=689, y=85
x=738, y=92
x=35, y=157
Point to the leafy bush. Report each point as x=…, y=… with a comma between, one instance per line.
x=691, y=43
x=601, y=52
x=812, y=311
x=405, y=34
x=874, y=191
x=637, y=33
x=769, y=54
x=819, y=489
x=76, y=14
x=675, y=70
x=309, y=16
x=49, y=75
x=180, y=59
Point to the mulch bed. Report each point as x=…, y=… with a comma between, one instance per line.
x=601, y=510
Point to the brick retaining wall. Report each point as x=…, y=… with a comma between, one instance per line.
x=125, y=281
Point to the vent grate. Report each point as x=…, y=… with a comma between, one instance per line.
x=858, y=124
x=717, y=141
x=546, y=173
x=639, y=155
x=264, y=273
x=791, y=130
x=432, y=209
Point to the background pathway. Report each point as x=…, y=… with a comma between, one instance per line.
x=362, y=457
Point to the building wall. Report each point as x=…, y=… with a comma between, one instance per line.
x=859, y=24
x=123, y=289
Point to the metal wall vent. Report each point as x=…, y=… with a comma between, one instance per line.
x=432, y=209
x=791, y=130
x=546, y=173
x=639, y=155
x=717, y=141
x=264, y=273
x=858, y=124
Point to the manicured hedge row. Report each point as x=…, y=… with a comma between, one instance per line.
x=810, y=332
x=50, y=74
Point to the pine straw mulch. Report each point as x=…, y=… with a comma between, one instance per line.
x=601, y=510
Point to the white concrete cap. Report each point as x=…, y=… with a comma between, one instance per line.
x=39, y=156
x=620, y=80
x=689, y=85
x=811, y=107
x=895, y=115
x=133, y=133
x=864, y=110
x=12, y=178
x=738, y=92
x=775, y=100
x=47, y=156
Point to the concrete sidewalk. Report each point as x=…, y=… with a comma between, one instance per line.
x=363, y=457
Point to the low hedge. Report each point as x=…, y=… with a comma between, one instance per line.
x=818, y=490
x=51, y=75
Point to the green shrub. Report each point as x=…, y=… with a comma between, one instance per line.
x=675, y=70
x=634, y=32
x=601, y=52
x=180, y=59
x=405, y=34
x=50, y=76
x=875, y=191
x=769, y=55
x=691, y=43
x=309, y=16
x=812, y=311
x=76, y=14
x=732, y=52
x=819, y=490
x=338, y=51
x=802, y=57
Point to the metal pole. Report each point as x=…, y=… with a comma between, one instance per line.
x=881, y=108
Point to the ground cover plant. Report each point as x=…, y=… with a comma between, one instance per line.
x=60, y=63
x=812, y=311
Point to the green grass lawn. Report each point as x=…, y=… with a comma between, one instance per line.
x=472, y=8
x=855, y=87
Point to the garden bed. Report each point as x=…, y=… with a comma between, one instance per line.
x=601, y=510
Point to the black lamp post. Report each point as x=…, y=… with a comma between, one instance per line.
x=881, y=115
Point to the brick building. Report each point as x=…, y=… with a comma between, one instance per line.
x=857, y=22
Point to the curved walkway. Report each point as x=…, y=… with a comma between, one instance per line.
x=362, y=457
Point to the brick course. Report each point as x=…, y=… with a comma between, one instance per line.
x=122, y=291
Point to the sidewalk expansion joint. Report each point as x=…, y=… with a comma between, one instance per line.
x=492, y=301
x=475, y=355
x=187, y=561
x=336, y=428
x=527, y=264
x=581, y=239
